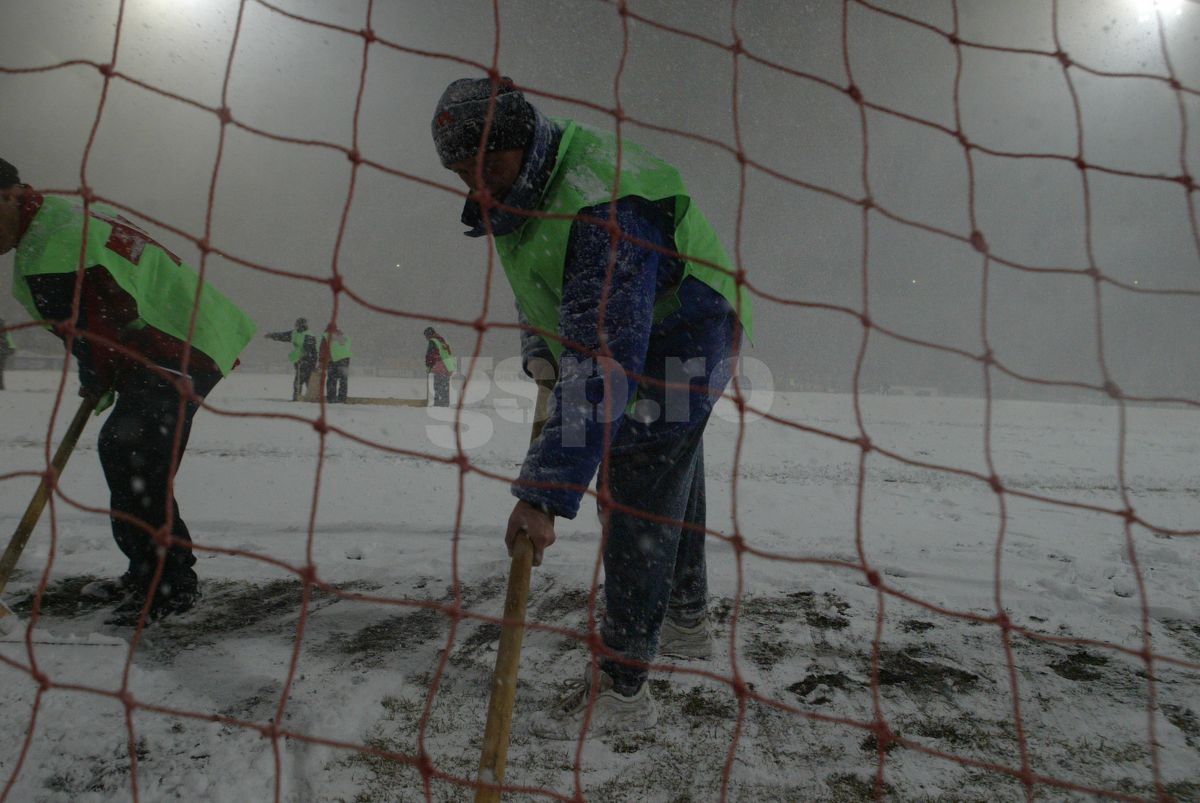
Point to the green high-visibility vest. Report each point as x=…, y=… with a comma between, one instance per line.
x=339, y=347
x=163, y=287
x=444, y=352
x=534, y=255
x=298, y=338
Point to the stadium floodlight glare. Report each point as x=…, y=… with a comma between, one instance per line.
x=1168, y=9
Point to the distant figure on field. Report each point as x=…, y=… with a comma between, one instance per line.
x=440, y=362
x=7, y=349
x=303, y=354
x=132, y=304
x=337, y=375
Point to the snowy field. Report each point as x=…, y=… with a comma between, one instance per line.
x=213, y=680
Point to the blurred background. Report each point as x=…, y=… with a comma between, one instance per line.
x=669, y=65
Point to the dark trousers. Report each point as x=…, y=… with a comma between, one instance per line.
x=651, y=567
x=3, y=359
x=337, y=378
x=135, y=447
x=657, y=467
x=304, y=369
x=441, y=390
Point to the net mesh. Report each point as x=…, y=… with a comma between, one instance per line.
x=872, y=213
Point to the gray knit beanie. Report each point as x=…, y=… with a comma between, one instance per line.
x=458, y=121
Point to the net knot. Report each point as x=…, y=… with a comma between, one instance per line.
x=1063, y=58
x=883, y=735
x=978, y=242
x=1112, y=389
x=320, y=425
x=106, y=70
x=336, y=284
x=855, y=93
x=354, y=156
x=995, y=483
x=738, y=543
x=873, y=578
x=368, y=35
x=224, y=115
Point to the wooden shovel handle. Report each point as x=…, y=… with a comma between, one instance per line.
x=32, y=513
x=508, y=653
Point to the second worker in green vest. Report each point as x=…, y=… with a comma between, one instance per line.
x=146, y=329
x=337, y=373
x=624, y=285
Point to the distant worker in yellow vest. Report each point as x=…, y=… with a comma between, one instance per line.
x=658, y=292
x=135, y=310
x=303, y=355
x=440, y=364
x=337, y=374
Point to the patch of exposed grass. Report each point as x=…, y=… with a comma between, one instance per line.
x=899, y=668
x=368, y=645
x=61, y=599
x=1186, y=720
x=1079, y=666
x=766, y=653
x=810, y=684
x=700, y=702
x=916, y=626
x=849, y=788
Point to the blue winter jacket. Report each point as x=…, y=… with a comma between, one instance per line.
x=564, y=459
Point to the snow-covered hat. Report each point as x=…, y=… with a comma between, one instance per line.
x=458, y=121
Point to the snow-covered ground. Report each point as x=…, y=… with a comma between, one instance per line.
x=208, y=685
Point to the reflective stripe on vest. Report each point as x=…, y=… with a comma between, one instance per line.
x=534, y=256
x=163, y=287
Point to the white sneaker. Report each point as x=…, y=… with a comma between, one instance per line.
x=612, y=713
x=678, y=641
